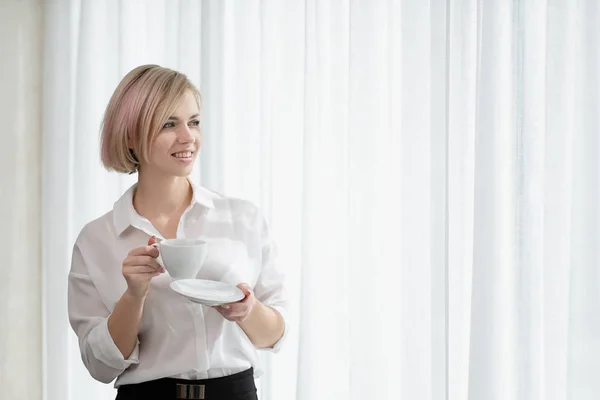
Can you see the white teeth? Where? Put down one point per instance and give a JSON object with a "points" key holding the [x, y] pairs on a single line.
{"points": [[183, 154]]}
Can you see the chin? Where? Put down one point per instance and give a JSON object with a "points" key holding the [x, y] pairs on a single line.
{"points": [[173, 169]]}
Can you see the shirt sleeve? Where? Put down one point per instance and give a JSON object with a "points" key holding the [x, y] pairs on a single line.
{"points": [[88, 317], [270, 286]]}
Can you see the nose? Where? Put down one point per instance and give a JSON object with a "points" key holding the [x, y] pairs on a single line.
{"points": [[185, 134]]}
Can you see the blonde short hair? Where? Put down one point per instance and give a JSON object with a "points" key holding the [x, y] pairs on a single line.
{"points": [[141, 104]]}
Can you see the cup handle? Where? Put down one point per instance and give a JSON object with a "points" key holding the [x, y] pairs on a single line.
{"points": [[159, 259]]}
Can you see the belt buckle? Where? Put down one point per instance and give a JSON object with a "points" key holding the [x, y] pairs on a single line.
{"points": [[189, 392]]}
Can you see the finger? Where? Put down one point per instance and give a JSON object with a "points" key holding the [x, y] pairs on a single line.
{"points": [[150, 264], [246, 299], [235, 308], [235, 317], [227, 315], [244, 302], [245, 288], [139, 269], [144, 251], [139, 260], [152, 240], [143, 260], [231, 316]]}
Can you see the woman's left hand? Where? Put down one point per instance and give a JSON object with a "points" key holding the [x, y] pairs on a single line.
{"points": [[238, 311]]}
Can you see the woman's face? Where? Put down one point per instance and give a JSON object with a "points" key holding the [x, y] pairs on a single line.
{"points": [[176, 146]]}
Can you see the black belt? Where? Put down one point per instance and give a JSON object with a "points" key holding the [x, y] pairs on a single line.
{"points": [[236, 386]]}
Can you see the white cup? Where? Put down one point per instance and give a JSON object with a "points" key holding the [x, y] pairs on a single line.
{"points": [[182, 258]]}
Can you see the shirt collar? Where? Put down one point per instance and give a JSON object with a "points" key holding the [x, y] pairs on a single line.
{"points": [[125, 215]]}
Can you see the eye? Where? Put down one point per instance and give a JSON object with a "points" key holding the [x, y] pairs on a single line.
{"points": [[168, 125], [194, 123]]}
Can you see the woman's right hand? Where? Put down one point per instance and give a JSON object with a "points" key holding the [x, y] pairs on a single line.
{"points": [[139, 267]]}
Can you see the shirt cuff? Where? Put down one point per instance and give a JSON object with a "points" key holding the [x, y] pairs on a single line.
{"points": [[106, 351], [277, 346]]}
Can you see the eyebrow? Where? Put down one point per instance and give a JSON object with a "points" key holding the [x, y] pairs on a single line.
{"points": [[173, 118]]}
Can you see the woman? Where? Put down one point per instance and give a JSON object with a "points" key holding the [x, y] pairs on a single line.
{"points": [[131, 326]]}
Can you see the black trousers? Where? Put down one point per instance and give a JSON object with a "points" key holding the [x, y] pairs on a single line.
{"points": [[238, 386]]}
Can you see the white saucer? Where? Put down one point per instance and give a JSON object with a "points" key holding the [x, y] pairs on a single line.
{"points": [[209, 293]]}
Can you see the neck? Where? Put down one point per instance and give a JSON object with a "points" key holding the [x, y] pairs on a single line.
{"points": [[157, 196]]}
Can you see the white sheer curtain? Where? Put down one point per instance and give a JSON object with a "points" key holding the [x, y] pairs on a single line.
{"points": [[20, 109], [430, 170]]}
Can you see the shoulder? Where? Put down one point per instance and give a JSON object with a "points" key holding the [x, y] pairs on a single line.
{"points": [[237, 207], [98, 230], [234, 208], [91, 244]]}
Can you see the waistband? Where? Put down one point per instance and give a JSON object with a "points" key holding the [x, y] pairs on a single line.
{"points": [[201, 389]]}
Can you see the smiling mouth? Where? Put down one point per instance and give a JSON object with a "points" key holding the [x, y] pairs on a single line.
{"points": [[183, 154]]}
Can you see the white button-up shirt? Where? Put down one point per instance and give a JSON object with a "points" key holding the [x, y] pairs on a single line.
{"points": [[177, 338]]}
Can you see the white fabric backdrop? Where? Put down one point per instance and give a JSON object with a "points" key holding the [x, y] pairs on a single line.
{"points": [[20, 110], [430, 170]]}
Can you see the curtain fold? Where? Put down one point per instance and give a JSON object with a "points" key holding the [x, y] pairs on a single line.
{"points": [[429, 169], [20, 112]]}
